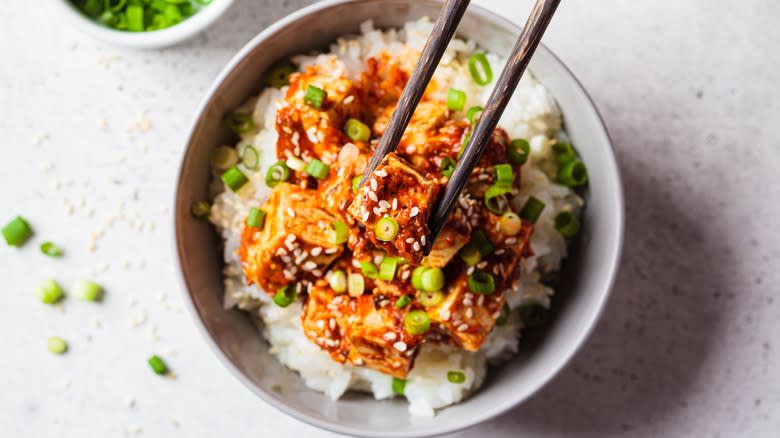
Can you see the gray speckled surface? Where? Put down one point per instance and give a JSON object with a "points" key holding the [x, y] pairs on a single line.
{"points": [[686, 346]]}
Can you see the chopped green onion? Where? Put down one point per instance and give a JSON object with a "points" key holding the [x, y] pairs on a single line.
{"points": [[314, 96], [573, 174], [481, 282], [567, 224], [456, 377], [239, 123], [93, 8], [357, 130], [482, 242], [510, 224], [296, 164], [135, 18], [234, 178], [518, 151], [532, 209], [277, 173], [279, 74], [88, 290], [17, 232], [200, 210], [339, 233], [157, 365], [224, 157], [403, 302], [503, 318], [470, 255], [369, 270], [285, 295], [495, 198], [56, 345], [417, 322], [472, 112], [256, 218], [432, 279], [356, 183], [532, 314], [504, 174], [399, 385], [431, 298], [387, 268], [463, 145], [456, 99], [447, 166], [317, 169], [356, 284], [417, 277], [50, 249], [338, 281], [250, 157], [173, 14], [476, 61], [563, 153], [115, 5], [386, 229], [50, 291]]}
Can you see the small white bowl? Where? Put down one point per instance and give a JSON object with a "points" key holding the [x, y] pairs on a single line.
{"points": [[144, 40]]}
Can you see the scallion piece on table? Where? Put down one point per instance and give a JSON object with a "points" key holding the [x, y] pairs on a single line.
{"points": [[314, 96], [472, 113], [567, 224], [432, 279], [504, 174], [477, 62], [56, 345], [398, 385], [234, 178], [563, 153], [296, 164], [369, 270], [201, 210], [356, 183], [338, 281], [456, 377], [88, 290], [239, 123], [386, 229], [456, 99], [357, 130], [17, 232], [255, 218], [495, 198], [224, 157], [447, 166], [285, 295], [277, 173], [417, 322], [157, 365], [429, 299], [481, 282], [250, 157], [317, 169], [279, 74], [573, 174], [417, 277], [403, 302], [356, 284], [532, 209], [339, 233], [518, 151], [510, 224], [387, 268], [51, 250], [50, 292]]}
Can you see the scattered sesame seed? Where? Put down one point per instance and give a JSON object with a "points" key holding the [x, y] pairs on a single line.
{"points": [[373, 184], [400, 346], [316, 251], [414, 212], [381, 173], [482, 264], [416, 246], [308, 266], [372, 196], [348, 99], [389, 336], [445, 314], [331, 251], [463, 327], [511, 241]]}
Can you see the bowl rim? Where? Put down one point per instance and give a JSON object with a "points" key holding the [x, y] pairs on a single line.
{"points": [[615, 249], [145, 40]]}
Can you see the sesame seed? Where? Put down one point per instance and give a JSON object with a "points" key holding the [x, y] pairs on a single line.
{"points": [[332, 324], [469, 313], [467, 302], [445, 314], [422, 240], [320, 323], [381, 173], [287, 129], [316, 251], [400, 346], [395, 203], [416, 246], [365, 216], [359, 361], [384, 204], [331, 251], [482, 264], [481, 300], [377, 211], [389, 336], [372, 196], [373, 183], [349, 99], [295, 137], [410, 149], [290, 212], [470, 270], [482, 177], [308, 266], [499, 251], [511, 241], [405, 275], [414, 212], [463, 327], [296, 197]]}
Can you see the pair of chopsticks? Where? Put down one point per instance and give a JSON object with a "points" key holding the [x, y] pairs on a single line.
{"points": [[437, 42]]}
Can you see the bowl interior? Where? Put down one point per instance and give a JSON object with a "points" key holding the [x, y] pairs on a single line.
{"points": [[586, 277]]}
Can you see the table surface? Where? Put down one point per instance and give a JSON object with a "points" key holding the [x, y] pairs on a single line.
{"points": [[92, 135]]}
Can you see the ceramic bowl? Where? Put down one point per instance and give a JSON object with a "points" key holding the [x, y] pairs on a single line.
{"points": [[144, 40], [586, 276]]}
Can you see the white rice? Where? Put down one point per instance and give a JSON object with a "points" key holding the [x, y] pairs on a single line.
{"points": [[532, 114]]}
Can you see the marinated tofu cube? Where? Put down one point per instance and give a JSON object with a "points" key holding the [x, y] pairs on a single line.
{"points": [[293, 244], [510, 250], [394, 206], [446, 247]]}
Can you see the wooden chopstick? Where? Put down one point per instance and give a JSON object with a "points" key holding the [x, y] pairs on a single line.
{"points": [[524, 48], [443, 30]]}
